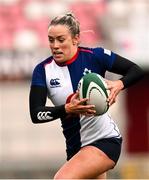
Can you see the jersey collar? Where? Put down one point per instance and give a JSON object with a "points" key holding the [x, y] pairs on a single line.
{"points": [[70, 60]]}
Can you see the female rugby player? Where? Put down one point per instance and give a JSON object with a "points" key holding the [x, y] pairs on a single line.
{"points": [[93, 143]]}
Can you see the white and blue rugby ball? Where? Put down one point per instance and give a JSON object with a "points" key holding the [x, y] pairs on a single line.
{"points": [[93, 87]]}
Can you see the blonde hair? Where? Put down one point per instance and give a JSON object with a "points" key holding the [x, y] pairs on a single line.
{"points": [[70, 21]]}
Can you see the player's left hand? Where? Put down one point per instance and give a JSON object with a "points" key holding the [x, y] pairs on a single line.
{"points": [[115, 87]]}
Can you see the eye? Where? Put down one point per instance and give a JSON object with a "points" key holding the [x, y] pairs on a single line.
{"points": [[51, 40], [61, 40]]}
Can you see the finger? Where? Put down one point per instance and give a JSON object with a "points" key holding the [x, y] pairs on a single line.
{"points": [[112, 102], [75, 96], [92, 107], [111, 97], [86, 107], [93, 112], [108, 83], [83, 101], [109, 87], [90, 112]]}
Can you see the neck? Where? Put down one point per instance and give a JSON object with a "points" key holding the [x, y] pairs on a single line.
{"points": [[72, 58], [74, 51]]}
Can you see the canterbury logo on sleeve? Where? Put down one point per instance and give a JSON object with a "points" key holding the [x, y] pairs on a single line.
{"points": [[44, 115]]}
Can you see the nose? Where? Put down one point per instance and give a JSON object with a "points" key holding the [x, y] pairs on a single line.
{"points": [[55, 45]]}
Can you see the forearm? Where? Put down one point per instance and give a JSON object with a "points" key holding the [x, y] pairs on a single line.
{"points": [[134, 74], [130, 71], [46, 114], [38, 111]]}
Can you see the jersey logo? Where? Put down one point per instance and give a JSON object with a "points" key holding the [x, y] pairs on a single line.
{"points": [[108, 52], [44, 116], [86, 71], [55, 83]]}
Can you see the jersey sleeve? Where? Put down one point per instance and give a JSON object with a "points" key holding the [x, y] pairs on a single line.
{"points": [[105, 57], [38, 76], [40, 113], [130, 71]]}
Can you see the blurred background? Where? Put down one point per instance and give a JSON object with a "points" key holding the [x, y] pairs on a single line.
{"points": [[37, 151]]}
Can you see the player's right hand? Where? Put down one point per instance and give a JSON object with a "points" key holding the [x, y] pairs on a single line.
{"points": [[79, 106]]}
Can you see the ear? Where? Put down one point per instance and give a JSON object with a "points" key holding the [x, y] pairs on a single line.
{"points": [[76, 40]]}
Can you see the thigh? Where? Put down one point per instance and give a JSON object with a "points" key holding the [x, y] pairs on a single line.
{"points": [[88, 163]]}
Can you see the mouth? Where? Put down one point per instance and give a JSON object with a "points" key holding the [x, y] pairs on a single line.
{"points": [[56, 53]]}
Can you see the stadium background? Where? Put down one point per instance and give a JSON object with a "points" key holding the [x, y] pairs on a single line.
{"points": [[37, 151]]}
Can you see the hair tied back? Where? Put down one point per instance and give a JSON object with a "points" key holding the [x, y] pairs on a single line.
{"points": [[70, 14]]}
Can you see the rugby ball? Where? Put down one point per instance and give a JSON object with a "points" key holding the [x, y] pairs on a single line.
{"points": [[93, 87]]}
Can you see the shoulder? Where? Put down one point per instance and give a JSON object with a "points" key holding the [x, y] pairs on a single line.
{"points": [[102, 51], [38, 76], [101, 55], [43, 63], [94, 50], [85, 50], [40, 68]]}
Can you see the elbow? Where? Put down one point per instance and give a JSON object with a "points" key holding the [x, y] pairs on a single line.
{"points": [[33, 116], [140, 72], [34, 119]]}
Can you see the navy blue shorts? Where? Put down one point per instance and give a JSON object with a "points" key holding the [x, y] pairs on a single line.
{"points": [[110, 146]]}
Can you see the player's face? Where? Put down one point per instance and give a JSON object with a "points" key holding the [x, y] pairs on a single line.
{"points": [[63, 46]]}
